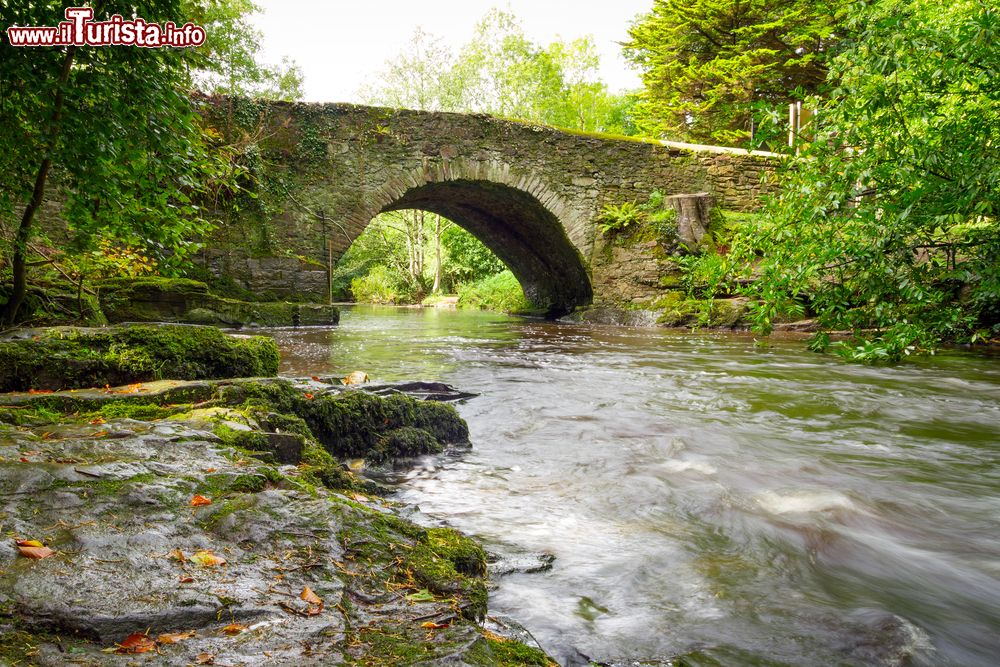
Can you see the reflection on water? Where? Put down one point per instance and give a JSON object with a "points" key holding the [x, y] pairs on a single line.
{"points": [[764, 504]]}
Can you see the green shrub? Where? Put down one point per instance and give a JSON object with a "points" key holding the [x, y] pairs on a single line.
{"points": [[652, 220], [382, 285], [501, 292]]}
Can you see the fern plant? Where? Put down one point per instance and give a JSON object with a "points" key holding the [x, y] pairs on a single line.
{"points": [[616, 219]]}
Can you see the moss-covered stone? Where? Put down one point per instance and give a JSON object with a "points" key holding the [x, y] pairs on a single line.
{"points": [[66, 357], [156, 299], [449, 563], [47, 304], [355, 424], [716, 313], [501, 652], [150, 400], [271, 420], [404, 442], [255, 482], [278, 532]]}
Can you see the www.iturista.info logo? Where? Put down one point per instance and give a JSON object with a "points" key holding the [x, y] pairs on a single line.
{"points": [[80, 29]]}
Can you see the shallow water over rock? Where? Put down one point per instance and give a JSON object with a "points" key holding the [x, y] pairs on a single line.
{"points": [[703, 495]]}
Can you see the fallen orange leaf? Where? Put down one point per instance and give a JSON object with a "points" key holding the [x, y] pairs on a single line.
{"points": [[29, 543], [39, 391], [174, 637], [316, 379], [186, 580], [315, 602], [178, 554], [99, 434], [431, 625], [206, 558], [33, 549], [357, 377], [310, 597], [197, 501], [309, 396], [210, 470], [205, 659], [234, 629], [97, 421], [137, 642]]}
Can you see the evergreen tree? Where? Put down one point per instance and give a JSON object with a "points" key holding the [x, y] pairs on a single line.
{"points": [[707, 64]]}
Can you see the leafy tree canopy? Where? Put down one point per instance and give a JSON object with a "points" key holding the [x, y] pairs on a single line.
{"points": [[500, 71], [887, 224], [229, 62], [707, 64], [114, 128]]}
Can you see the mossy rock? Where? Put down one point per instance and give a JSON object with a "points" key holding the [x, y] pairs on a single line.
{"points": [[501, 652], [48, 305], [355, 424], [712, 313], [449, 563], [76, 358], [150, 299], [157, 299], [404, 442], [255, 482]]}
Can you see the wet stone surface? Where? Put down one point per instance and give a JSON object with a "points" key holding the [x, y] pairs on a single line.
{"points": [[141, 515]]}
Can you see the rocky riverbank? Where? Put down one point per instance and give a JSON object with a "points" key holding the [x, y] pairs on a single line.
{"points": [[158, 299], [214, 522]]}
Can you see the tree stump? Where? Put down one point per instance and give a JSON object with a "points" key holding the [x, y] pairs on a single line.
{"points": [[694, 212]]}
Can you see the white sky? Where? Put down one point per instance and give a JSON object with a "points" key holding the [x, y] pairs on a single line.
{"points": [[340, 44]]}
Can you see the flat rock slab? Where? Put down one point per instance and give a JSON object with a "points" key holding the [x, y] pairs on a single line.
{"points": [[186, 391], [121, 515]]}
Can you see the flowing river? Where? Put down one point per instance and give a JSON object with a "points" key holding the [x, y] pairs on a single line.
{"points": [[704, 495]]}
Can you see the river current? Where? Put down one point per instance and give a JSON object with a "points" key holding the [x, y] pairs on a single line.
{"points": [[703, 494]]}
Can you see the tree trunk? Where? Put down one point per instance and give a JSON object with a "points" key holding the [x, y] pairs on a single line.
{"points": [[418, 246], [437, 254], [19, 262], [694, 212]]}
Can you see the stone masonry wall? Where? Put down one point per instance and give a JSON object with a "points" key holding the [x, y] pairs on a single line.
{"points": [[328, 169]]}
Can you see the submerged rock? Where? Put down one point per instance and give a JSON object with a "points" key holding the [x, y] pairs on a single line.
{"points": [[73, 357], [502, 564]]}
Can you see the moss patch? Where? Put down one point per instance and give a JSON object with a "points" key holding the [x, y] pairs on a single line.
{"points": [[447, 562], [716, 313], [355, 424], [156, 299], [67, 358], [501, 652]]}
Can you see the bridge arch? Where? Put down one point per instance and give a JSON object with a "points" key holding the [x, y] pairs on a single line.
{"points": [[515, 215]]}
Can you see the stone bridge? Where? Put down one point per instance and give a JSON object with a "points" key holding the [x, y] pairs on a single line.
{"points": [[531, 193]]}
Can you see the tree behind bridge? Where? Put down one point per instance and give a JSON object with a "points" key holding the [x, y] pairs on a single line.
{"points": [[887, 224], [707, 64], [114, 130]]}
